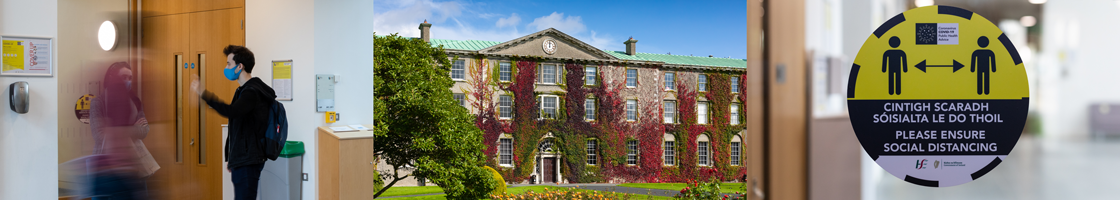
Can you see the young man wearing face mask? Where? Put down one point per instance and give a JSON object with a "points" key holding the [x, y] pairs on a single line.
{"points": [[248, 119]]}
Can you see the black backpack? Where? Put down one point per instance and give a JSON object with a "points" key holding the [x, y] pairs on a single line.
{"points": [[276, 134]]}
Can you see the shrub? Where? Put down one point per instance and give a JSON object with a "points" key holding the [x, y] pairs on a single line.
{"points": [[498, 181], [564, 194], [706, 191]]}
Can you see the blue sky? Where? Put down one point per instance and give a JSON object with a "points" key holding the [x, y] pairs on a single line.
{"points": [[698, 28]]}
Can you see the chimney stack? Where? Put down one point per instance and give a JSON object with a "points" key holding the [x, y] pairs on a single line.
{"points": [[630, 50], [425, 31]]}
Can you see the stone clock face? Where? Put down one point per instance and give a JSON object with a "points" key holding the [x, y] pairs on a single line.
{"points": [[549, 46]]}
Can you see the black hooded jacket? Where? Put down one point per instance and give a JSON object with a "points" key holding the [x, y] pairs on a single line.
{"points": [[248, 118]]}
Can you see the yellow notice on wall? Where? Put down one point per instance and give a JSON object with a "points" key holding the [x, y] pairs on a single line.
{"points": [[13, 55], [282, 79]]}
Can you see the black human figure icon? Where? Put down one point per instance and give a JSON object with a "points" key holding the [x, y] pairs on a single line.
{"points": [[981, 58], [894, 63]]}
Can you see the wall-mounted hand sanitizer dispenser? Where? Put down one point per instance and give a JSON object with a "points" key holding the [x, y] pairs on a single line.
{"points": [[19, 99]]}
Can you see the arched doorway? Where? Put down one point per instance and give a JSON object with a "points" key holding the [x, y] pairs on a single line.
{"points": [[547, 167]]}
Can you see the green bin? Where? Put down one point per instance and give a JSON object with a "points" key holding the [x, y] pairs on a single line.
{"points": [[283, 178]]}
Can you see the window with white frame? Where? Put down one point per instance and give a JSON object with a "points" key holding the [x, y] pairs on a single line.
{"points": [[631, 77], [702, 150], [632, 152], [670, 81], [734, 84], [592, 146], [702, 82], [631, 110], [736, 151], [461, 98], [505, 71], [589, 75], [703, 156], [458, 70], [505, 107], [505, 152], [702, 113], [734, 114], [547, 74], [668, 153], [548, 104], [589, 109], [670, 112]]}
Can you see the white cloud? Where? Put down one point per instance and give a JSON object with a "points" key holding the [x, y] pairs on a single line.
{"points": [[512, 20], [449, 22], [570, 24], [405, 16]]}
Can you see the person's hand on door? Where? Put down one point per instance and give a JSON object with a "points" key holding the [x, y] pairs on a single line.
{"points": [[194, 85]]}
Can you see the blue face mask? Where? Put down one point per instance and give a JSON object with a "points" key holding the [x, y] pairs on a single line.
{"points": [[128, 85], [232, 74]]}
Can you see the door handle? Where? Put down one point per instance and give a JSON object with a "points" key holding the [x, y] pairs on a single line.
{"points": [[757, 192], [192, 141]]}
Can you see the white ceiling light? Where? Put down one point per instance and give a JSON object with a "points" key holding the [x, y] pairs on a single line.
{"points": [[1037, 1], [1028, 21], [107, 36], [923, 3]]}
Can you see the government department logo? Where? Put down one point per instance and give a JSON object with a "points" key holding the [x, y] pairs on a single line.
{"points": [[920, 164], [935, 163]]}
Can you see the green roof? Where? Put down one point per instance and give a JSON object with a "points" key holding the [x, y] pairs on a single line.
{"points": [[475, 45]]}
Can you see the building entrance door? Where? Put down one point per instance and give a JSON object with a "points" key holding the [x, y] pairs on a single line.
{"points": [[180, 41], [548, 170]]}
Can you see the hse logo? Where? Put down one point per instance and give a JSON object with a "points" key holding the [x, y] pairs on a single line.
{"points": [[920, 164]]}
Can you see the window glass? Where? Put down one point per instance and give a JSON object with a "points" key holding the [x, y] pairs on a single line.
{"points": [[669, 81], [457, 70], [504, 71], [631, 77], [702, 113], [734, 84], [459, 97], [589, 109], [734, 114], [702, 150], [589, 76], [505, 154], [591, 152], [703, 83], [735, 148], [631, 109], [548, 107], [548, 74], [669, 153], [670, 112], [505, 106], [632, 152]]}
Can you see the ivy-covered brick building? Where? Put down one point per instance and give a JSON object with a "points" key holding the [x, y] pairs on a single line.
{"points": [[557, 110]]}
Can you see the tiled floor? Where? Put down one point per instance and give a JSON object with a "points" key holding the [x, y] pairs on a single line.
{"points": [[1038, 168]]}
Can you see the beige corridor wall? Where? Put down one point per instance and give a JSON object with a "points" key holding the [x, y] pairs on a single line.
{"points": [[29, 142]]}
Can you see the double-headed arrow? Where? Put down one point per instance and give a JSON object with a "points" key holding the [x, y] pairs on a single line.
{"points": [[922, 66]]}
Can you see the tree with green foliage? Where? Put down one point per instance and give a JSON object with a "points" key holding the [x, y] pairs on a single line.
{"points": [[418, 124]]}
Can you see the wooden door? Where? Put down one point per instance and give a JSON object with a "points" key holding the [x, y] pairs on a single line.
{"points": [[787, 99], [549, 170], [178, 47], [210, 33], [164, 95]]}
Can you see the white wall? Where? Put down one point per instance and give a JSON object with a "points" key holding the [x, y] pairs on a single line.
{"points": [[1077, 65], [335, 40], [29, 142]]}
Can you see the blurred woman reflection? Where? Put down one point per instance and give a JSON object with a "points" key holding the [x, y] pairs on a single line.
{"points": [[123, 163]]}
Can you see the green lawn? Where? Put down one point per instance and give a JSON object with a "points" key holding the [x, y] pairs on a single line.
{"points": [[410, 190], [723, 187], [407, 190]]}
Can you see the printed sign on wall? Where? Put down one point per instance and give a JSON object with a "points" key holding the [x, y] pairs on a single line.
{"points": [[25, 56], [938, 96]]}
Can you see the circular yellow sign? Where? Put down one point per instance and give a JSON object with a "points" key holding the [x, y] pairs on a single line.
{"points": [[82, 106], [938, 96]]}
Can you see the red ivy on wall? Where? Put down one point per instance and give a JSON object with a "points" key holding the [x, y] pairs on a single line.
{"points": [[610, 127]]}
